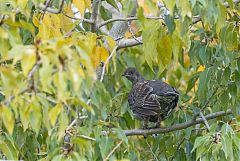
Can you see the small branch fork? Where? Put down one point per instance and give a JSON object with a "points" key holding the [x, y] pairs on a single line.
{"points": [[51, 10], [107, 61]]}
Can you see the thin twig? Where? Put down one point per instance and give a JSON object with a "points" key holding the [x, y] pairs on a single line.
{"points": [[44, 10], [151, 150], [125, 19], [205, 121], [35, 67], [107, 61], [72, 29], [130, 30], [86, 137], [52, 10], [206, 104], [75, 18], [75, 120], [114, 149], [47, 98], [78, 118], [177, 126], [177, 148]]}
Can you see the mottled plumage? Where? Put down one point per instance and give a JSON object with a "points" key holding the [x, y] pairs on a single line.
{"points": [[150, 100]]}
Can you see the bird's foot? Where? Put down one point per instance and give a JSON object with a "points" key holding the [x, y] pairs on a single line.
{"points": [[157, 126]]}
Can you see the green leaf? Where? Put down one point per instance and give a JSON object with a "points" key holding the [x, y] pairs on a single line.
{"points": [[105, 14], [236, 141], [169, 20], [63, 123], [192, 81], [120, 134], [86, 106], [112, 3], [7, 149], [164, 49], [227, 146], [224, 98], [36, 115], [8, 118], [203, 86], [170, 5], [54, 112], [200, 145], [185, 8], [226, 75], [237, 78], [150, 36], [199, 142]]}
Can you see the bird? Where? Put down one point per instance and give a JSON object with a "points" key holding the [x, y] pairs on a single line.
{"points": [[150, 100]]}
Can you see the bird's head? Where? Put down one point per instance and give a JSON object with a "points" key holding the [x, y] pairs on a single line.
{"points": [[133, 75]]}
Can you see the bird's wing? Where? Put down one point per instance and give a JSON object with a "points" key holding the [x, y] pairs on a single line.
{"points": [[141, 102], [142, 91]]}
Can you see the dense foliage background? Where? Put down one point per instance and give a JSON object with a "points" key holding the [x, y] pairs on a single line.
{"points": [[61, 91]]}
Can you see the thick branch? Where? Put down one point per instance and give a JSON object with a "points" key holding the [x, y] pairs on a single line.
{"points": [[52, 10], [94, 14], [177, 126], [124, 43]]}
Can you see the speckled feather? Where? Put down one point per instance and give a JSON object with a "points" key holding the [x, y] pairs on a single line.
{"points": [[151, 99]]}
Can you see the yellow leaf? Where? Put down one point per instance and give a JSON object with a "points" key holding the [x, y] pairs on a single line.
{"points": [[55, 25], [200, 68], [54, 112], [7, 117], [101, 54], [22, 3], [9, 81], [35, 115], [111, 43], [60, 81], [50, 27], [43, 31], [28, 59], [164, 50], [66, 23], [25, 116], [80, 4], [35, 20], [45, 73], [3, 33], [88, 4]]}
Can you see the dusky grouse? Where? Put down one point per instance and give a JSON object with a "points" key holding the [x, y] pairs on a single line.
{"points": [[150, 100]]}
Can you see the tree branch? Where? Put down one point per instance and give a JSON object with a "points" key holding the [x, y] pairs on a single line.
{"points": [[52, 10], [94, 14], [107, 61], [114, 149], [177, 126], [125, 19], [205, 121], [81, 19], [124, 43]]}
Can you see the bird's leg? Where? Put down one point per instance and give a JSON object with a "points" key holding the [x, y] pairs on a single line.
{"points": [[145, 123], [158, 124]]}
